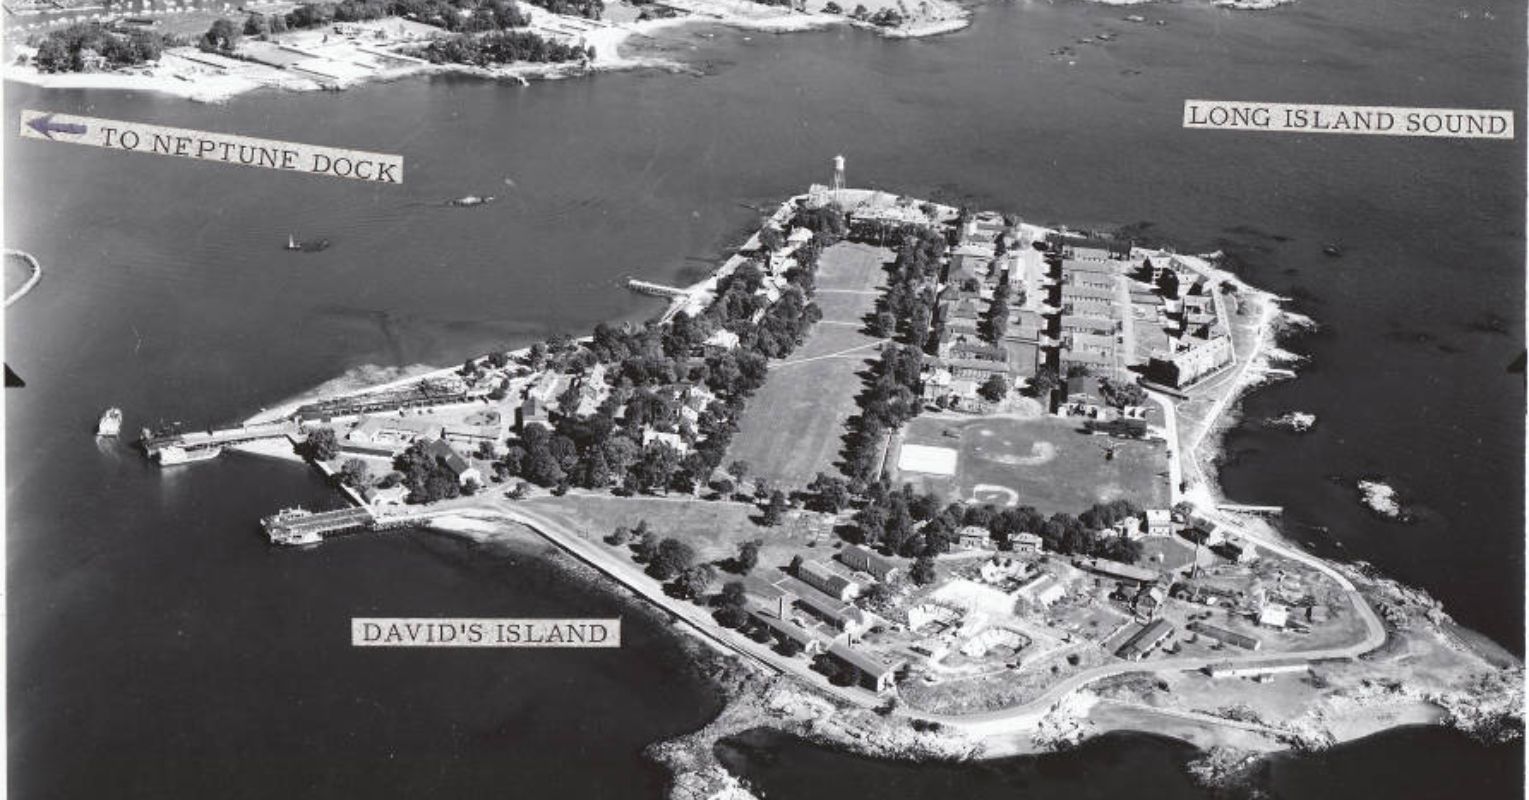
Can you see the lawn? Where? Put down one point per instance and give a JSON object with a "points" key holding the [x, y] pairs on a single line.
{"points": [[793, 428], [1048, 463], [715, 529]]}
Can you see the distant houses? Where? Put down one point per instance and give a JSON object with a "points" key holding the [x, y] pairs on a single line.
{"points": [[460, 467]]}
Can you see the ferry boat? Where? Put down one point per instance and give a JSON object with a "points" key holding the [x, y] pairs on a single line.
{"points": [[172, 455], [110, 423]]}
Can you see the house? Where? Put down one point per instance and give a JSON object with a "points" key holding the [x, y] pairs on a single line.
{"points": [[863, 559], [1286, 665], [720, 341], [1043, 590], [844, 617], [823, 578], [673, 440], [875, 674], [388, 435], [460, 468], [772, 596], [1225, 636], [1026, 543], [998, 569], [973, 537], [1188, 359], [1141, 643], [1117, 570], [387, 496], [531, 412], [1148, 601], [1130, 528], [1317, 614], [786, 630], [1274, 615], [1159, 522]]}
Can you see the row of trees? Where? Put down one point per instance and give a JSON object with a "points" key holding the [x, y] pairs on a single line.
{"points": [[501, 47], [892, 398], [457, 16], [907, 523], [75, 48]]}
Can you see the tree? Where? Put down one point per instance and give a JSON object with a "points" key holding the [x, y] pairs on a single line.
{"points": [[695, 581], [775, 508], [831, 493], [732, 616], [673, 557], [923, 572], [733, 594], [222, 37], [320, 445], [1044, 382], [354, 472], [739, 470], [994, 388], [538, 355], [748, 555], [1168, 283], [647, 545]]}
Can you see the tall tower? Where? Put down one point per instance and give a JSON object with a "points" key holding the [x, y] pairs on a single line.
{"points": [[838, 175]]}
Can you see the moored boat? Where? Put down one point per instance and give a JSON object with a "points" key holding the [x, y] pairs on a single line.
{"points": [[110, 423], [172, 455]]}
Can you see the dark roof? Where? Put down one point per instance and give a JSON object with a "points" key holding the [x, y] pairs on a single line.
{"points": [[443, 452]]}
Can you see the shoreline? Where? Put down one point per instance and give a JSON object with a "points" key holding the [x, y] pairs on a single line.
{"points": [[169, 75]]}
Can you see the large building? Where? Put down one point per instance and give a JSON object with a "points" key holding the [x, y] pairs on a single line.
{"points": [[822, 577], [863, 559]]}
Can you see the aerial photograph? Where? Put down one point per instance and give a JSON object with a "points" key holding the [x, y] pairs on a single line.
{"points": [[735, 399]]}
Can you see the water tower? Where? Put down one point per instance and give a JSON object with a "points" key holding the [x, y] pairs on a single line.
{"points": [[838, 175]]}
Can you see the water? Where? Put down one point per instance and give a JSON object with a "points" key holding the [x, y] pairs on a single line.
{"points": [[158, 648]]}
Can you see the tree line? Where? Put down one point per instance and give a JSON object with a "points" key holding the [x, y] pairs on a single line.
{"points": [[70, 49]]}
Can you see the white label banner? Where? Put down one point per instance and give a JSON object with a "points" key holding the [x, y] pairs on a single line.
{"points": [[1459, 123], [473, 632], [223, 148]]}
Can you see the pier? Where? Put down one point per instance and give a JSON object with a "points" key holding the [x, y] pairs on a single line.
{"points": [[1261, 511], [656, 289], [201, 440], [299, 526]]}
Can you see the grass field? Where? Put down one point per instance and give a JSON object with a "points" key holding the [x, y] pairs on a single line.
{"points": [[715, 529], [793, 428], [1046, 462]]}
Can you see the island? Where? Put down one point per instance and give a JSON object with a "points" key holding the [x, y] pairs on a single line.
{"points": [[920, 481]]}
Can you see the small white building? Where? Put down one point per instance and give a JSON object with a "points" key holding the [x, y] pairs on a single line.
{"points": [[1159, 522], [1026, 543], [721, 340], [1274, 615]]}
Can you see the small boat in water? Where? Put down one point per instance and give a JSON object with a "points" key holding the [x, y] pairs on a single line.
{"points": [[110, 423], [1332, 250], [472, 200], [305, 246]]}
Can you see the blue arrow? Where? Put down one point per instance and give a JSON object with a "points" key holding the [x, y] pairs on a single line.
{"points": [[47, 127]]}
